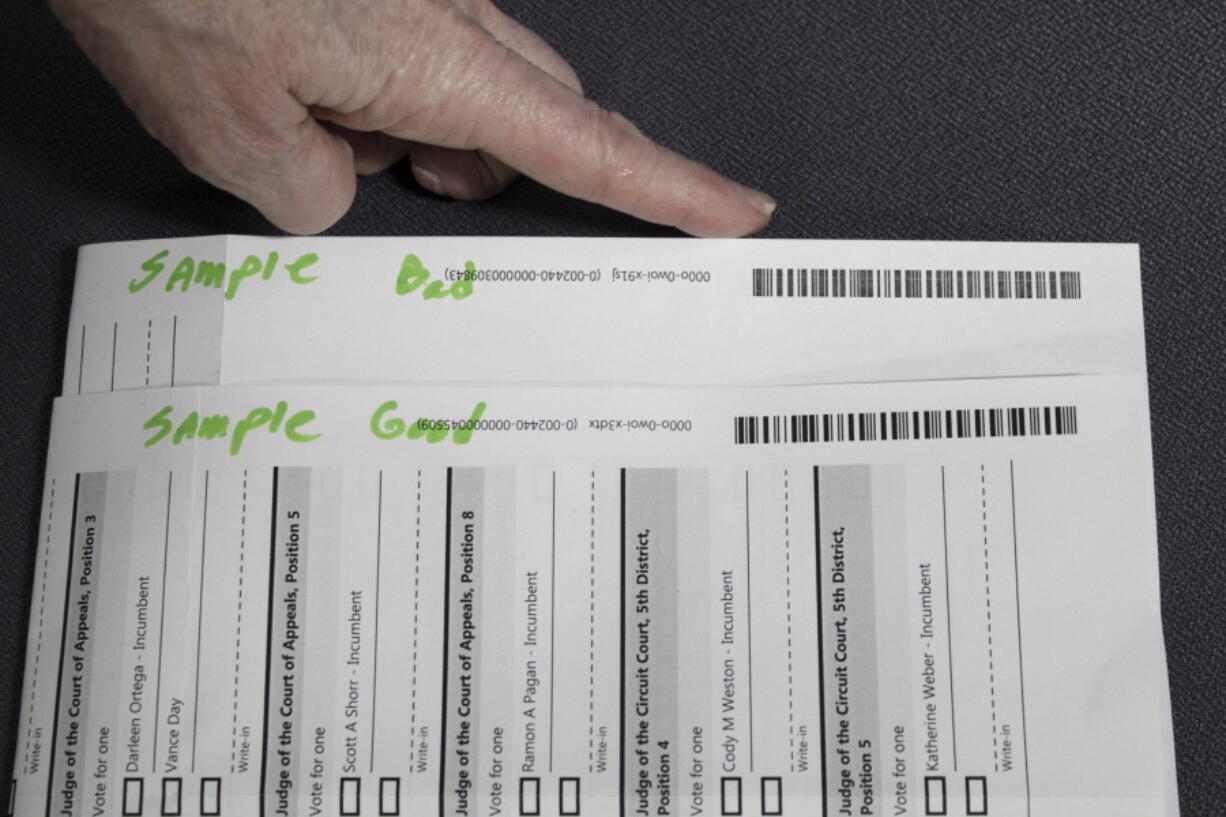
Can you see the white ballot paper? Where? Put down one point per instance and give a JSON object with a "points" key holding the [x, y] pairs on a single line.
{"points": [[925, 598], [233, 310]]}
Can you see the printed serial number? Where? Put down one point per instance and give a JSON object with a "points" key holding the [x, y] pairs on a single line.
{"points": [[529, 276], [641, 425], [631, 276], [491, 424]]}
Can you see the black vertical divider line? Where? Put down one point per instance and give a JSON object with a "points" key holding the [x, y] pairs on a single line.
{"points": [[272, 572], [442, 763], [374, 675], [114, 345], [1017, 598], [749, 617], [157, 695], [553, 606], [949, 627], [821, 634], [204, 543], [621, 672], [81, 366], [59, 675]]}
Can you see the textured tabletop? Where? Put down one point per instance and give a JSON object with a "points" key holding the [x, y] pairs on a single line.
{"points": [[1027, 121]]}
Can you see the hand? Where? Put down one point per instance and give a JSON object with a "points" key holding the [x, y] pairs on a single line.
{"points": [[280, 102]]}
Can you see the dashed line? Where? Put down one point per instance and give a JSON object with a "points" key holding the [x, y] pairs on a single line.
{"points": [[416, 597], [238, 635], [42, 607], [148, 349], [987, 592], [787, 584], [591, 632]]}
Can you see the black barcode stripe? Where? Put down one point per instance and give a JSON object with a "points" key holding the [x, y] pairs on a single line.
{"points": [[941, 284], [929, 424]]}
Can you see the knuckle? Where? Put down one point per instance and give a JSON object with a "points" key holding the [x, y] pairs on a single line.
{"points": [[232, 135], [615, 153]]}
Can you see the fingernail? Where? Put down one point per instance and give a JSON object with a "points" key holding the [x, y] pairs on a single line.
{"points": [[428, 180], [761, 202]]}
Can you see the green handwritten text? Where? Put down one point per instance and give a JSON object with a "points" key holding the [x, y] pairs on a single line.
{"points": [[414, 275], [188, 272], [434, 431], [216, 426]]}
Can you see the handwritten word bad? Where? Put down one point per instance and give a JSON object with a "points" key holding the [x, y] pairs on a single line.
{"points": [[413, 276], [216, 426], [213, 273], [433, 430]]}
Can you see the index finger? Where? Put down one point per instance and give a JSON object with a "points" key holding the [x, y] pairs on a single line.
{"points": [[547, 131]]}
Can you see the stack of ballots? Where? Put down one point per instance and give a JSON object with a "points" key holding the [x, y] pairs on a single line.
{"points": [[479, 526]]}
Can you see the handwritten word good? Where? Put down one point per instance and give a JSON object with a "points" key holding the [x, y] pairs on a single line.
{"points": [[433, 431]]}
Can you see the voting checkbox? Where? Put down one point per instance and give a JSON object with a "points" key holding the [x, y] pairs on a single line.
{"points": [[133, 796], [210, 796], [772, 796], [730, 796], [351, 796], [389, 796], [934, 795], [976, 795], [172, 796], [568, 794], [530, 796]]}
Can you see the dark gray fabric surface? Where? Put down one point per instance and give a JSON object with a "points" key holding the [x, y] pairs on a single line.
{"points": [[1037, 121]]}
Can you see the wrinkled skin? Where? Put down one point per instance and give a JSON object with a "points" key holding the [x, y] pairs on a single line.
{"points": [[281, 102]]}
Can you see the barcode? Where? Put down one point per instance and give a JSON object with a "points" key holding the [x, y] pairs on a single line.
{"points": [[871, 426], [778, 282]]}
